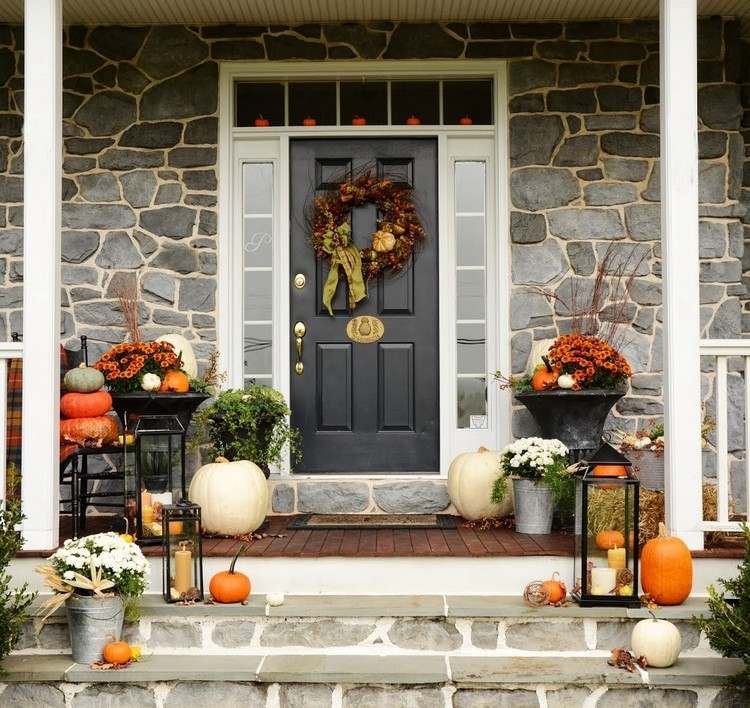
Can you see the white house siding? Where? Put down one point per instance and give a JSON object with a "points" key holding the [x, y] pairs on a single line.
{"points": [[140, 129]]}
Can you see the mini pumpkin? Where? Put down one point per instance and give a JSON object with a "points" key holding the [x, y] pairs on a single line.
{"points": [[151, 382], [83, 379], [383, 241], [117, 653], [545, 377], [175, 382], [230, 586], [555, 589], [609, 538], [666, 569]]}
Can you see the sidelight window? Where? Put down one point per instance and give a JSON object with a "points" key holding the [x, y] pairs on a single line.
{"points": [[257, 247], [470, 187]]}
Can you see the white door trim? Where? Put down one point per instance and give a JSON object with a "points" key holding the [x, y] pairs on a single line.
{"points": [[454, 142]]}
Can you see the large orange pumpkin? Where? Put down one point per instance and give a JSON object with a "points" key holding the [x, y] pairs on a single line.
{"points": [[117, 653], [609, 539], [545, 377], [175, 382], [85, 405], [666, 569], [230, 585], [89, 432]]}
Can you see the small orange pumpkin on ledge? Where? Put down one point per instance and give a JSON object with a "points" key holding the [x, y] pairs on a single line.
{"points": [[230, 586], [117, 653], [555, 589]]}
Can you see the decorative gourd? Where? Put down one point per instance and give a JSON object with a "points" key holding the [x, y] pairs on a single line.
{"points": [[609, 539], [666, 569], [175, 382], [545, 377], [470, 479], [383, 241], [233, 496], [184, 350], [555, 589], [658, 641], [538, 350], [89, 432], [230, 585], [85, 405], [566, 381], [117, 653], [151, 382], [83, 379]]}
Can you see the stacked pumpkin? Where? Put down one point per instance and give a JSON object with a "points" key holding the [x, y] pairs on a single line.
{"points": [[84, 409]]}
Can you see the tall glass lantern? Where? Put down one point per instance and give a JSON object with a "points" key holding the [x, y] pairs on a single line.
{"points": [[155, 474], [606, 525], [182, 557]]}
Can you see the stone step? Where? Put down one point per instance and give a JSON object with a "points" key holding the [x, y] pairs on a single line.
{"points": [[370, 626], [326, 681]]}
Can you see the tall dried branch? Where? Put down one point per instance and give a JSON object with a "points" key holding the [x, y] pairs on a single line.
{"points": [[127, 295]]}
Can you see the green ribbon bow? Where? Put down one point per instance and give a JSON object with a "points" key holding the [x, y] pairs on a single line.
{"points": [[346, 255]]}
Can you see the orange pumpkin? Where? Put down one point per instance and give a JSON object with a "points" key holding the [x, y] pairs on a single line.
{"points": [[545, 377], [230, 585], [609, 539], [175, 382], [89, 432], [85, 405], [117, 653], [555, 589], [610, 471], [666, 569]]}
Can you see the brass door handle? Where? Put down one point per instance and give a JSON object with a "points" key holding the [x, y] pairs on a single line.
{"points": [[299, 333]]}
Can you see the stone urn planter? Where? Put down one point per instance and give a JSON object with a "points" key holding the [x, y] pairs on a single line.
{"points": [[138, 403], [648, 466], [93, 622], [534, 506], [575, 418]]}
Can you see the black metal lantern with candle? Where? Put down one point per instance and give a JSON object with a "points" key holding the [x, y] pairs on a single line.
{"points": [[606, 525], [155, 477], [182, 556]]}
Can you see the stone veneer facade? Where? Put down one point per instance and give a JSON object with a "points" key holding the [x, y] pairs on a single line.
{"points": [[140, 179]]}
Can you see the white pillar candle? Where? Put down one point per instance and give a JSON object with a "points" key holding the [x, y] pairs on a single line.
{"points": [[604, 580], [163, 498]]}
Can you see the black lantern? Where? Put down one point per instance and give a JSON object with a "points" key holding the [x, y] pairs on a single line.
{"points": [[607, 523], [182, 556], [155, 474]]}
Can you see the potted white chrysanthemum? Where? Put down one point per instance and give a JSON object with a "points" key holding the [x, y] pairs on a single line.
{"points": [[96, 577], [541, 477]]}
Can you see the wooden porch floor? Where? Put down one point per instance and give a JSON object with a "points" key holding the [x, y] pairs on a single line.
{"points": [[283, 542]]}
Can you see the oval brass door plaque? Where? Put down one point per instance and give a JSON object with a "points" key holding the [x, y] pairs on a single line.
{"points": [[365, 329]]}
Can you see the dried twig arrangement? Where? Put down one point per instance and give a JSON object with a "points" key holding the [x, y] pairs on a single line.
{"points": [[127, 295]]}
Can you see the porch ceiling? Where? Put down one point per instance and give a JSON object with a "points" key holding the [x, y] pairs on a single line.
{"points": [[93, 12]]}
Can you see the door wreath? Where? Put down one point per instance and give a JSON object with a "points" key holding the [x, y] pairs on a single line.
{"points": [[393, 243]]}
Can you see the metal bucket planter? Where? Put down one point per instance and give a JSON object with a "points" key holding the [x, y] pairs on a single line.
{"points": [[534, 504], [575, 418], [93, 622]]}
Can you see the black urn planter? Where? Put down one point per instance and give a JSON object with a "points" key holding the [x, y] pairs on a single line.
{"points": [[137, 403], [575, 418]]}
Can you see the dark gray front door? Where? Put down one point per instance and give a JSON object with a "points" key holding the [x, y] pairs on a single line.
{"points": [[366, 407]]}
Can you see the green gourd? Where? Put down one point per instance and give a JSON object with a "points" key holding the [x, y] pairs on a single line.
{"points": [[84, 379]]}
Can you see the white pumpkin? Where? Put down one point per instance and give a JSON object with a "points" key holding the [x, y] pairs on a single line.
{"points": [[470, 480], [538, 350], [184, 349], [566, 381], [657, 640], [233, 496], [151, 382]]}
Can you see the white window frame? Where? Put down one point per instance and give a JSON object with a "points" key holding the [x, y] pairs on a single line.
{"points": [[455, 143]]}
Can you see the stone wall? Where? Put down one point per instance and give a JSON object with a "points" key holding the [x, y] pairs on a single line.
{"points": [[139, 189]]}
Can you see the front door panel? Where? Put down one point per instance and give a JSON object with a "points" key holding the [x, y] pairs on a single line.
{"points": [[366, 407]]}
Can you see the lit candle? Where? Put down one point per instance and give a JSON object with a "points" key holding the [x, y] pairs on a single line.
{"points": [[183, 568], [616, 558], [146, 499], [604, 580]]}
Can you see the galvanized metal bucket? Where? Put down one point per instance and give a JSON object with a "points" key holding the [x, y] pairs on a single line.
{"points": [[534, 505], [93, 622]]}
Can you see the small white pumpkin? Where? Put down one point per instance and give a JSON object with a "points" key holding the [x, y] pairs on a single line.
{"points": [[233, 496], [566, 381], [539, 349], [184, 349], [658, 640], [151, 382], [470, 479]]}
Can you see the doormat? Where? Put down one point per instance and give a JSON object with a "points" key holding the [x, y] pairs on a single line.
{"points": [[374, 521]]}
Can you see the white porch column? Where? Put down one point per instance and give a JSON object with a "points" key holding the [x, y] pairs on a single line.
{"points": [[41, 287], [680, 283]]}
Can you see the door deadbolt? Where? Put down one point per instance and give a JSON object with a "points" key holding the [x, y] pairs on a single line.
{"points": [[299, 281]]}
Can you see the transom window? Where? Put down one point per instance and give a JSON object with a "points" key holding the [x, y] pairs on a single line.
{"points": [[446, 102]]}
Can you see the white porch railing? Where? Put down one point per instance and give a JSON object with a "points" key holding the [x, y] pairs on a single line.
{"points": [[723, 350], [8, 350]]}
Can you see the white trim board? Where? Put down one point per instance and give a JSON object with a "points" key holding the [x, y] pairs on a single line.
{"points": [[489, 143]]}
